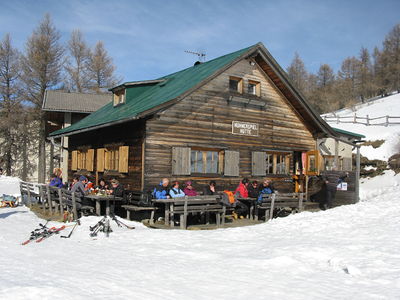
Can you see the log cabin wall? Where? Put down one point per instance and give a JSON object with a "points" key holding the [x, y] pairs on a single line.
{"points": [[128, 134], [204, 120]]}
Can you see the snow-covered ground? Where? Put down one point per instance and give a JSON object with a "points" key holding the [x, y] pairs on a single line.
{"points": [[350, 252], [391, 134]]}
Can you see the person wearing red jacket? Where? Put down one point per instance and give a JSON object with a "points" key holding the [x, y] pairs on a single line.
{"points": [[241, 192]]}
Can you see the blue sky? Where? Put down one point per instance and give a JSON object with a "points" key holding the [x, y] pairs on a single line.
{"points": [[147, 39]]}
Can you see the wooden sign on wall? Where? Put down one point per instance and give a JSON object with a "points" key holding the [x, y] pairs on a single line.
{"points": [[244, 128]]}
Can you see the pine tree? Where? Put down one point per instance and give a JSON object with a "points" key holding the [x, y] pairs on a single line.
{"points": [[9, 101], [365, 89], [77, 65], [391, 58], [348, 81], [297, 73], [42, 65], [101, 69]]}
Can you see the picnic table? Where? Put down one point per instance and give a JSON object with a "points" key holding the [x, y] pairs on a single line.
{"points": [[103, 198], [194, 204]]}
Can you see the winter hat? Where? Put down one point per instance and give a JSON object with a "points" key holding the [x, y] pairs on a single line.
{"points": [[82, 178], [188, 182]]}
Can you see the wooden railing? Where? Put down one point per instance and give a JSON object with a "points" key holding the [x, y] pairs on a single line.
{"points": [[367, 121]]}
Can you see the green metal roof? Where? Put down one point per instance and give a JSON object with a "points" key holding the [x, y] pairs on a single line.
{"points": [[141, 98], [348, 132]]}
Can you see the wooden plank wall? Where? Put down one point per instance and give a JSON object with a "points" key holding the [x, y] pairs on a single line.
{"points": [[127, 134], [204, 119]]}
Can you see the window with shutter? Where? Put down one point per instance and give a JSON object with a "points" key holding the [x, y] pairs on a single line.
{"points": [[259, 163], [74, 160], [181, 160], [100, 160], [123, 162], [231, 166]]}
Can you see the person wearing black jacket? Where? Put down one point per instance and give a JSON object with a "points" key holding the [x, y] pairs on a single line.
{"points": [[116, 190], [253, 189], [210, 189], [332, 179]]}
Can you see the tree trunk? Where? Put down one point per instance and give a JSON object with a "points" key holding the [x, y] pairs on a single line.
{"points": [[42, 149]]}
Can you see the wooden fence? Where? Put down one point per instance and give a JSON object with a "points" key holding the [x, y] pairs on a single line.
{"points": [[367, 121]]}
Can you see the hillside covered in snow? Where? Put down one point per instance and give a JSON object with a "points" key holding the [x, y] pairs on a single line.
{"points": [[382, 107]]}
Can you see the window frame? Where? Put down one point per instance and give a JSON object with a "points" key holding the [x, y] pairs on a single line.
{"points": [[272, 163], [239, 81], [119, 97], [257, 88], [204, 157]]}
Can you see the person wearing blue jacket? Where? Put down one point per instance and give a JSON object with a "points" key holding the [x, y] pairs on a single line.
{"points": [[56, 178], [175, 191], [161, 191], [265, 189]]}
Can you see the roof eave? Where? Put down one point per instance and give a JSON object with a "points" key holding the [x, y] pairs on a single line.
{"points": [[73, 132]]}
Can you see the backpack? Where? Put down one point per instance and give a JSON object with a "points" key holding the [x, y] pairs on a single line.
{"points": [[228, 198]]}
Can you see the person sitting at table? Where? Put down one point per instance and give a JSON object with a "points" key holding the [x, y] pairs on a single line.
{"points": [[210, 189], [102, 185], [189, 189], [241, 191], [116, 189], [55, 179], [79, 186], [162, 191], [265, 189], [253, 189], [175, 191]]}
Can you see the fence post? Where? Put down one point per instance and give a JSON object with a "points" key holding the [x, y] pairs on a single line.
{"points": [[367, 120], [337, 120], [355, 118], [387, 121]]}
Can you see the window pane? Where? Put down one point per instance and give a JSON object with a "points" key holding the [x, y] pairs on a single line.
{"points": [[233, 85], [269, 164], [196, 159], [252, 88], [212, 162]]}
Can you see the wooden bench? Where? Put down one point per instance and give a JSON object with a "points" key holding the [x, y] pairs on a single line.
{"points": [[138, 201], [271, 202], [44, 193], [73, 204], [196, 204], [54, 193], [27, 190]]}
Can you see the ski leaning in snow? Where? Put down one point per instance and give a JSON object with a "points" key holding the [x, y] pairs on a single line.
{"points": [[120, 223], [73, 228], [104, 226]]}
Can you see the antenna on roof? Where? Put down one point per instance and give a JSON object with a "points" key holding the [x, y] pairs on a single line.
{"points": [[201, 55]]}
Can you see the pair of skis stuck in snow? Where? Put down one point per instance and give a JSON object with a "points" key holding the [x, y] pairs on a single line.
{"points": [[104, 226], [43, 232]]}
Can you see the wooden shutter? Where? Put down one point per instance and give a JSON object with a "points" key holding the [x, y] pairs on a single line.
{"points": [[258, 163], [90, 160], [100, 160], [181, 161], [231, 166], [106, 159], [74, 161], [123, 160]]}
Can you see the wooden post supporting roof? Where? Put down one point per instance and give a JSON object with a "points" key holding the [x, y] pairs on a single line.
{"points": [[358, 159]]}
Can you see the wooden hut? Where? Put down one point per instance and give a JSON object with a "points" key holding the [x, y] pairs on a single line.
{"points": [[232, 117]]}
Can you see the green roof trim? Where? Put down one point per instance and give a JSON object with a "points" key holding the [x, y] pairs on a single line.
{"points": [[142, 98], [348, 132]]}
